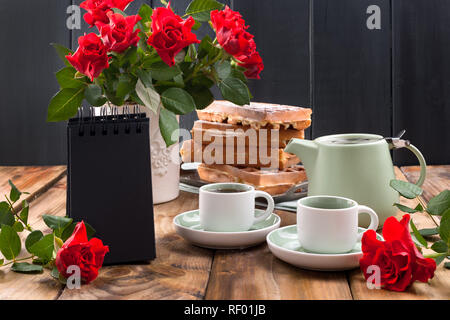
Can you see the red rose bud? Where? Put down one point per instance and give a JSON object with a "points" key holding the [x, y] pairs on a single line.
{"points": [[254, 66], [97, 9], [170, 34], [397, 257], [77, 250], [235, 40], [91, 56], [118, 35]]}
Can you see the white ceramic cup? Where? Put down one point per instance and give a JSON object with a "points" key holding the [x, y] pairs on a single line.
{"points": [[328, 224], [231, 211]]}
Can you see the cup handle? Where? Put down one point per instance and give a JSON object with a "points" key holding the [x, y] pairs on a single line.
{"points": [[270, 205], [373, 219]]}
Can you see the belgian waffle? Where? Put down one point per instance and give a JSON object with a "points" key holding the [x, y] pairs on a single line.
{"points": [[257, 115], [205, 132], [245, 157], [274, 182]]}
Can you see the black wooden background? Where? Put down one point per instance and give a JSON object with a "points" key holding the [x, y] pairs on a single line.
{"points": [[317, 53]]}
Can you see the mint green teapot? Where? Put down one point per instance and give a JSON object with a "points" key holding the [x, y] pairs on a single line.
{"points": [[356, 166]]}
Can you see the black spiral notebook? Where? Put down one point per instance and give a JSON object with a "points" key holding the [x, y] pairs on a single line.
{"points": [[109, 183]]}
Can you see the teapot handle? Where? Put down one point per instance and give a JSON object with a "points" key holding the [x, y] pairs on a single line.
{"points": [[423, 165]]}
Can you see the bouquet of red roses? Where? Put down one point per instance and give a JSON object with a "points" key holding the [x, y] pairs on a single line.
{"points": [[155, 59]]}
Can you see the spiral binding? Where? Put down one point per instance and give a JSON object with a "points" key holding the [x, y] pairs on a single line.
{"points": [[107, 114]]}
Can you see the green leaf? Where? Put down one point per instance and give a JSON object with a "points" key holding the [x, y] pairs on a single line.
{"points": [[25, 267], [65, 104], [161, 71], [404, 208], [125, 86], [62, 52], [56, 223], [44, 248], [6, 216], [429, 232], [223, 69], [417, 235], [94, 95], [235, 73], [206, 48], [203, 97], [24, 213], [145, 12], [129, 57], [200, 9], [32, 238], [444, 227], [66, 78], [149, 96], [440, 246], [167, 124], [234, 90], [178, 101], [14, 194], [2, 261], [418, 208], [89, 230], [55, 273], [447, 265], [10, 244], [439, 259], [18, 226], [440, 203], [146, 77], [406, 189]]}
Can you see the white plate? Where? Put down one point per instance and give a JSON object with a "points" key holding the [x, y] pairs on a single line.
{"points": [[284, 244], [187, 225]]}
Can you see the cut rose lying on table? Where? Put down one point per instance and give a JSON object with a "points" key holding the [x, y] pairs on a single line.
{"points": [[397, 262], [67, 251]]}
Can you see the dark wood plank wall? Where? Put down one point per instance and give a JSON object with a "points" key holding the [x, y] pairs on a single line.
{"points": [[352, 74], [317, 53], [421, 69], [27, 81]]}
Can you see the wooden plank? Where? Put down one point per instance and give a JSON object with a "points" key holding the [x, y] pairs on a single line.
{"points": [[256, 274], [281, 30], [352, 68], [28, 82], [421, 73], [40, 286], [437, 288], [34, 180], [181, 271]]}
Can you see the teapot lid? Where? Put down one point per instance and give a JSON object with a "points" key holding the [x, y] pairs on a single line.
{"points": [[350, 139]]}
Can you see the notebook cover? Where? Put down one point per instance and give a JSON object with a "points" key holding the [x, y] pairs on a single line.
{"points": [[109, 184]]}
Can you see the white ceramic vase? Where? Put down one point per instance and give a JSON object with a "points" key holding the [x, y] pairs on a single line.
{"points": [[165, 163]]}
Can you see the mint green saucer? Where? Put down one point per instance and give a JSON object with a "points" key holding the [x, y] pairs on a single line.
{"points": [[284, 244], [187, 225]]}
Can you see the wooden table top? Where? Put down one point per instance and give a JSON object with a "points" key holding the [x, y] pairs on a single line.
{"points": [[183, 271]]}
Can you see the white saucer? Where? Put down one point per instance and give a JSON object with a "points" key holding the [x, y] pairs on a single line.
{"points": [[187, 225], [284, 245]]}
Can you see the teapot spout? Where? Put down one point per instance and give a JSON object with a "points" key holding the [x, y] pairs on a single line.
{"points": [[306, 150]]}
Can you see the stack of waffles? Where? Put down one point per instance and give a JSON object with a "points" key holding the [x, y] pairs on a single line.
{"points": [[245, 144]]}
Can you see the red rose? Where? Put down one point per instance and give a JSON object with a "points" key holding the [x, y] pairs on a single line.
{"points": [[170, 34], [254, 66], [235, 40], [118, 35], [91, 56], [77, 250], [97, 9], [397, 257], [231, 34]]}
